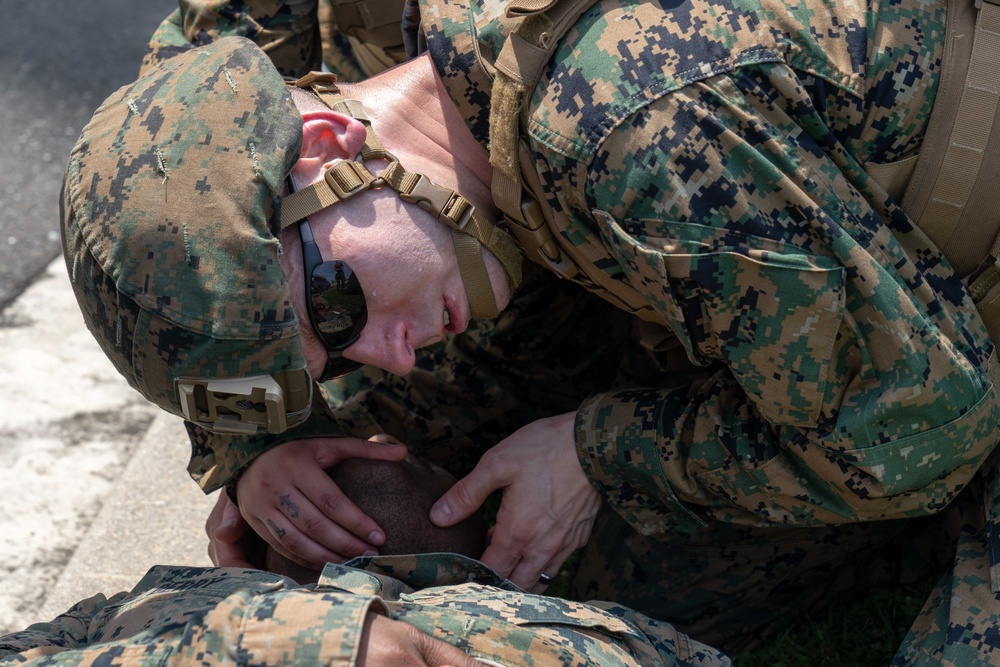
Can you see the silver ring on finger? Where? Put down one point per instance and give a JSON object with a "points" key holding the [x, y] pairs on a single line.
{"points": [[545, 579]]}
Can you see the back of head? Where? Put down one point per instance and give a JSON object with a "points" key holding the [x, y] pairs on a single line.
{"points": [[170, 231], [398, 496]]}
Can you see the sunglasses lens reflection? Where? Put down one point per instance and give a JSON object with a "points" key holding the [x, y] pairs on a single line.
{"points": [[337, 302]]}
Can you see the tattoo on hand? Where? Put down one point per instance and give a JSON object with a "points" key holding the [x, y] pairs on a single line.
{"points": [[293, 509], [274, 529]]}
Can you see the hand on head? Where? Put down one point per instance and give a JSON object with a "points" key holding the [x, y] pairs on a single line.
{"points": [[549, 505], [394, 494], [288, 499]]}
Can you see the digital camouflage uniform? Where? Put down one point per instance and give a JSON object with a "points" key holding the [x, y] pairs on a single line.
{"points": [[711, 156], [834, 387], [211, 616], [299, 36]]}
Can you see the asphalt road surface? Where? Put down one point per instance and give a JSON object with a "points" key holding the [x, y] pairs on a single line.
{"points": [[59, 59]]}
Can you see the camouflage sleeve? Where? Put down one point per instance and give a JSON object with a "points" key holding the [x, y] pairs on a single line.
{"points": [[460, 601], [846, 367], [66, 632], [203, 615], [287, 30]]}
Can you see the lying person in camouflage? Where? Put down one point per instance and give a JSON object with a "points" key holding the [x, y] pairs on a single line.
{"points": [[786, 378], [426, 609]]}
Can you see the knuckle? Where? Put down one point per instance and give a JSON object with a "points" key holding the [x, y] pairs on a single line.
{"points": [[314, 525], [292, 542], [331, 503], [496, 460], [462, 495]]}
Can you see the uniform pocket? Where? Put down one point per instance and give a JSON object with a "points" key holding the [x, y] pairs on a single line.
{"points": [[767, 310]]}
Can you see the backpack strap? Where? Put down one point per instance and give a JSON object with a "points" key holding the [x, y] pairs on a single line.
{"points": [[518, 69], [954, 194], [516, 190]]}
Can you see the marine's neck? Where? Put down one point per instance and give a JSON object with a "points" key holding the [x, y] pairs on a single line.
{"points": [[416, 120]]}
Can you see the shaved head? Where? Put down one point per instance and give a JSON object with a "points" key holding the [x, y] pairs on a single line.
{"points": [[398, 495]]}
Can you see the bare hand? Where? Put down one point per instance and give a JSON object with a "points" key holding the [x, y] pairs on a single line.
{"points": [[226, 530], [289, 500], [548, 507], [387, 643]]}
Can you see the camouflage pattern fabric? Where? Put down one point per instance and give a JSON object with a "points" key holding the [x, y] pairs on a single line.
{"points": [[709, 156], [209, 615], [299, 36], [816, 363], [959, 625], [716, 173], [174, 256]]}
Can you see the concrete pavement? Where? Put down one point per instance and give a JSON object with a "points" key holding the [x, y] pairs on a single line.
{"points": [[57, 62], [95, 489]]}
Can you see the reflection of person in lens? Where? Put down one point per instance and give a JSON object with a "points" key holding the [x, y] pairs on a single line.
{"points": [[338, 274]]}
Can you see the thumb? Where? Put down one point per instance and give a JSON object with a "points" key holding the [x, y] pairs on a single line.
{"points": [[465, 497], [232, 526]]}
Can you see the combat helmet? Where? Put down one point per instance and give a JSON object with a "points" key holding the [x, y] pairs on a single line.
{"points": [[171, 217]]}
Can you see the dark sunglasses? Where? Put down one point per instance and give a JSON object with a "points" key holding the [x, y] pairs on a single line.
{"points": [[335, 302]]}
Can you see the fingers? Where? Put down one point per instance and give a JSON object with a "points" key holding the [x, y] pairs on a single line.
{"points": [[468, 494], [385, 439], [548, 507], [295, 545], [315, 523], [524, 565], [226, 531], [231, 526], [328, 516], [215, 516], [437, 653], [330, 451], [547, 574], [524, 558], [289, 500]]}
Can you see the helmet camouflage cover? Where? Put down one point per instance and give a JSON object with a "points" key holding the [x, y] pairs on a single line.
{"points": [[170, 210]]}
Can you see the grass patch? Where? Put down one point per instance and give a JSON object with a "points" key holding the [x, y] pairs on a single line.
{"points": [[866, 633]]}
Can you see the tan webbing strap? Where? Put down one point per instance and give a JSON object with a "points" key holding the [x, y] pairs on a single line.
{"points": [[519, 68], [470, 231], [472, 265], [370, 21], [963, 204], [341, 181]]}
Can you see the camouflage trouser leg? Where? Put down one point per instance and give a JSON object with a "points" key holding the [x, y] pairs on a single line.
{"points": [[731, 586], [959, 625]]}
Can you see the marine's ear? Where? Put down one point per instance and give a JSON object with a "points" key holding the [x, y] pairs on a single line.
{"points": [[327, 135]]}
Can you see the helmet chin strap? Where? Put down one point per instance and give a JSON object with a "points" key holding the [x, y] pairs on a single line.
{"points": [[470, 230]]}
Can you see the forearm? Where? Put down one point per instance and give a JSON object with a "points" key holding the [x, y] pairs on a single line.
{"points": [[850, 372], [702, 451]]}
